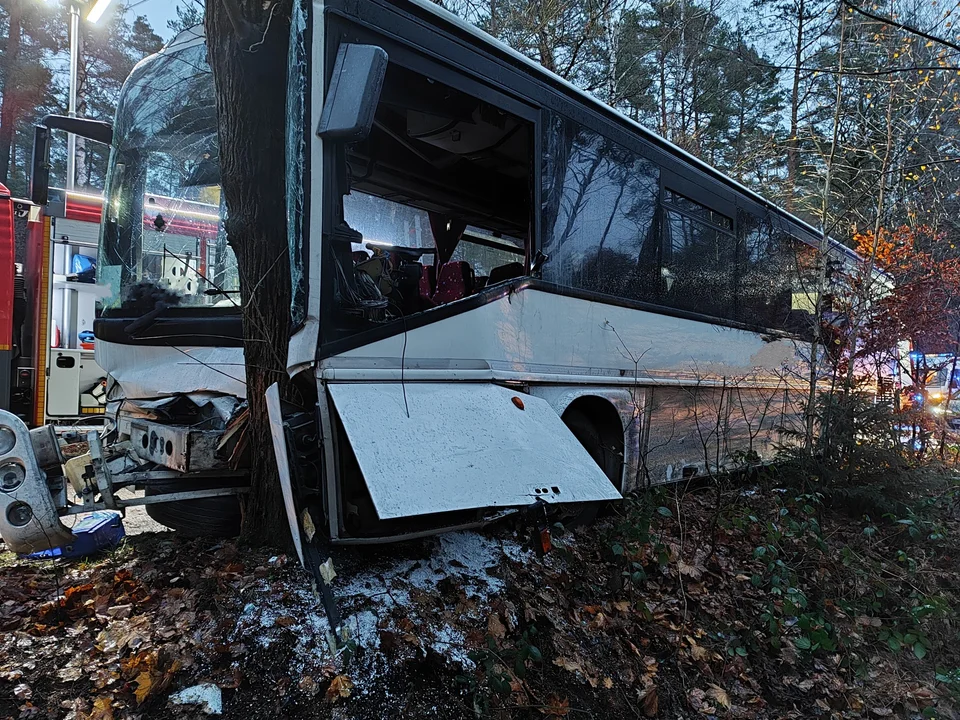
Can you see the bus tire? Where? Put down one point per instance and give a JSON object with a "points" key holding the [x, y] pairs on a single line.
{"points": [[603, 441], [204, 517]]}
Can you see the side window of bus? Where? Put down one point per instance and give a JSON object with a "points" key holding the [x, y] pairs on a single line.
{"points": [[766, 272], [775, 277], [699, 257], [599, 210], [439, 202]]}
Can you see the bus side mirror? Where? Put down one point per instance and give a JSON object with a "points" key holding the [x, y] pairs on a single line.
{"points": [[354, 92], [96, 130]]}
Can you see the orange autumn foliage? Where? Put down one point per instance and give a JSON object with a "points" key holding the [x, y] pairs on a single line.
{"points": [[923, 305]]}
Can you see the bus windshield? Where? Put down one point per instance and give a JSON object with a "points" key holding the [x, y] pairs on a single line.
{"points": [[163, 235]]}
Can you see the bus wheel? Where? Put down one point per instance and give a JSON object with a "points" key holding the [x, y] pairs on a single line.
{"points": [[596, 425], [204, 517]]}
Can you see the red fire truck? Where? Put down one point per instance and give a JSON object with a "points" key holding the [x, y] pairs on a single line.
{"points": [[47, 308]]}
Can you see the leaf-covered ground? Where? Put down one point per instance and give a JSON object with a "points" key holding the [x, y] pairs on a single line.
{"points": [[770, 607]]}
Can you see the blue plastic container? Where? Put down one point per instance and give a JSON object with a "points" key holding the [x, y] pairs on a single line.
{"points": [[98, 531]]}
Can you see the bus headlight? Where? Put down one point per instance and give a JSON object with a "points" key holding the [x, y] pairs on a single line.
{"points": [[19, 514], [11, 476]]}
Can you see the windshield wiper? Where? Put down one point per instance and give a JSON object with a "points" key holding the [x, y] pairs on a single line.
{"points": [[147, 319]]}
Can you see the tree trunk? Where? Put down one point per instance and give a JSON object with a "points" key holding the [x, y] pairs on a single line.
{"points": [[9, 109], [793, 142], [247, 49]]}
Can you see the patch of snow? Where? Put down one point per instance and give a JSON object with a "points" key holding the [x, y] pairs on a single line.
{"points": [[362, 628], [467, 556], [206, 695], [451, 643]]}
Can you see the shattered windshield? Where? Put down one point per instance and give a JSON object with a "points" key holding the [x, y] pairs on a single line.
{"points": [[163, 234]]}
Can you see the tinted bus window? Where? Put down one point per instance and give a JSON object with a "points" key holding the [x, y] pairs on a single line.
{"points": [[776, 276], [699, 258], [599, 212]]}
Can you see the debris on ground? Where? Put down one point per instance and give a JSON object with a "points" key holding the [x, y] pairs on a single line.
{"points": [[768, 607]]}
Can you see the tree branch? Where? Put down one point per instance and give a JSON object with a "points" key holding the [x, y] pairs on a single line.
{"points": [[244, 30], [901, 26]]}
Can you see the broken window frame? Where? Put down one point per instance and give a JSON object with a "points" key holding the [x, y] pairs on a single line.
{"points": [[339, 30]]}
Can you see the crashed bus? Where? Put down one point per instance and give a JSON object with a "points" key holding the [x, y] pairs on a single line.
{"points": [[505, 295]]}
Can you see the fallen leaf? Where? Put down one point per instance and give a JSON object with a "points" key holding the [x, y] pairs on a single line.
{"points": [[651, 703], [308, 685], [692, 571], [309, 529], [286, 620], [608, 683], [696, 698], [70, 674], [23, 692], [144, 683], [102, 708], [340, 687], [495, 628], [568, 664], [717, 693], [881, 712], [120, 611], [555, 707], [697, 652]]}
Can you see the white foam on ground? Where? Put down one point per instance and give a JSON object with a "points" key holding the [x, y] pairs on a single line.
{"points": [[206, 695]]}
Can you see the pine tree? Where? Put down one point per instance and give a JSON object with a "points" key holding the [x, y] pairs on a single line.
{"points": [[109, 52], [189, 14], [29, 33]]}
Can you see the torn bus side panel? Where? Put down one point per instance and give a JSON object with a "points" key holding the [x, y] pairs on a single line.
{"points": [[385, 461], [297, 450], [434, 448]]}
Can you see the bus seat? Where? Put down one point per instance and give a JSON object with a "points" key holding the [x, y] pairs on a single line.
{"points": [[428, 282], [454, 281], [505, 272]]}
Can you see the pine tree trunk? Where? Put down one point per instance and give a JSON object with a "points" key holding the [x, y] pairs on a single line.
{"points": [[250, 78], [9, 109]]}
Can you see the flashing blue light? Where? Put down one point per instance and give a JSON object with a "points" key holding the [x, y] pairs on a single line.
{"points": [[918, 398], [915, 356]]}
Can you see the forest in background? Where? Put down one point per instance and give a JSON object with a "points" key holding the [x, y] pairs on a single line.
{"points": [[757, 88], [34, 67]]}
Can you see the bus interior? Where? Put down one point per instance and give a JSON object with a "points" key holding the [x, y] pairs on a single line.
{"points": [[439, 202]]}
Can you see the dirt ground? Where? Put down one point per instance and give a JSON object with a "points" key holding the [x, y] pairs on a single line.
{"points": [[664, 608]]}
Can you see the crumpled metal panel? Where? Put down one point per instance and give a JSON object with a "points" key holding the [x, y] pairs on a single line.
{"points": [[28, 518], [155, 371], [437, 447]]}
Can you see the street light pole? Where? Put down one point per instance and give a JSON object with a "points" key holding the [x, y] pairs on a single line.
{"points": [[93, 16], [72, 93]]}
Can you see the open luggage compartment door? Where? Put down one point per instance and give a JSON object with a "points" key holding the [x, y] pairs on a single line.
{"points": [[436, 447]]}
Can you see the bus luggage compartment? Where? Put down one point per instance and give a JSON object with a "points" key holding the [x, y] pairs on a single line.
{"points": [[426, 448]]}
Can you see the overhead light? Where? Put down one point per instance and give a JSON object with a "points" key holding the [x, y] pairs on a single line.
{"points": [[96, 12]]}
